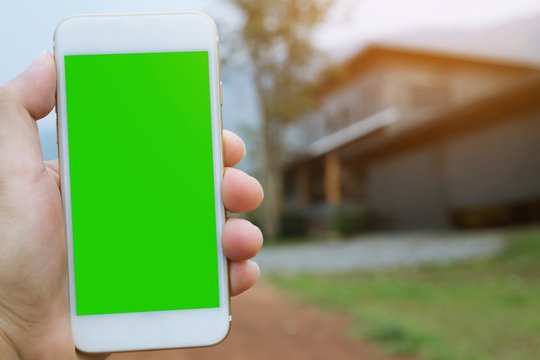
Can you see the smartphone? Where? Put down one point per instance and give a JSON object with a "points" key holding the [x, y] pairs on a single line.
{"points": [[139, 130]]}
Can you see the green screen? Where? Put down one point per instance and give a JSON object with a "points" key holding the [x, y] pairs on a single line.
{"points": [[142, 189]]}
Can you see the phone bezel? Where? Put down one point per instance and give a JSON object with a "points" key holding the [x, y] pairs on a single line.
{"points": [[144, 33]]}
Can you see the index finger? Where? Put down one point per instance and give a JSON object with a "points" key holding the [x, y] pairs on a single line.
{"points": [[234, 148]]}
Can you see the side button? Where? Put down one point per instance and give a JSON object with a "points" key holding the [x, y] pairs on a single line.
{"points": [[221, 92]]}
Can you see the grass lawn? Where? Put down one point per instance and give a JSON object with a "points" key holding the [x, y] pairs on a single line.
{"points": [[486, 309]]}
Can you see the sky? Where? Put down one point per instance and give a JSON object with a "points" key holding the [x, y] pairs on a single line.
{"points": [[26, 28], [369, 19]]}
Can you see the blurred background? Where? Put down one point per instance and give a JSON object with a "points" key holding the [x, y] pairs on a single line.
{"points": [[399, 147]]}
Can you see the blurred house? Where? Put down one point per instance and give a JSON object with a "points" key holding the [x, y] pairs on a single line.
{"points": [[420, 139]]}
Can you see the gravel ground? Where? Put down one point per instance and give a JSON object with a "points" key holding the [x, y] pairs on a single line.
{"points": [[378, 251]]}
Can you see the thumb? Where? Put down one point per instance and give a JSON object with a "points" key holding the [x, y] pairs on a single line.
{"points": [[35, 88]]}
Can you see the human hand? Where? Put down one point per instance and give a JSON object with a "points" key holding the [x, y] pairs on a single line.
{"points": [[34, 313]]}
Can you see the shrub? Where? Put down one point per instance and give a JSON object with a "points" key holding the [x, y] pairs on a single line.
{"points": [[349, 219], [293, 223]]}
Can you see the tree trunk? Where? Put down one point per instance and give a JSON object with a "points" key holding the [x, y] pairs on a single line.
{"points": [[271, 177]]}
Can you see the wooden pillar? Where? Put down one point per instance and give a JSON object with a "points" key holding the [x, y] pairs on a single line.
{"points": [[332, 178]]}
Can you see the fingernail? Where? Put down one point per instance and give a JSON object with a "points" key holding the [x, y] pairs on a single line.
{"points": [[245, 150], [257, 267], [38, 60]]}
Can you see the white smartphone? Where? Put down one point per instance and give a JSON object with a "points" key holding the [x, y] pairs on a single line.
{"points": [[139, 129]]}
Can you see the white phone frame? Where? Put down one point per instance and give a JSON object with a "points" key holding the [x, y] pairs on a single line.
{"points": [[144, 33]]}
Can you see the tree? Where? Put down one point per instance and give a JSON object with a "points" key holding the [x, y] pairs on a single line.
{"points": [[277, 35]]}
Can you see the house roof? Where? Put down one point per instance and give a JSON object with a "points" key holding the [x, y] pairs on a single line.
{"points": [[464, 55], [375, 52]]}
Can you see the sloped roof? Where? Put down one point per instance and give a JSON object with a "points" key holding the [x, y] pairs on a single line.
{"points": [[375, 52]]}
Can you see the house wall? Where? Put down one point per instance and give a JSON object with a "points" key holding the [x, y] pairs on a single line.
{"points": [[423, 187], [405, 191], [498, 165]]}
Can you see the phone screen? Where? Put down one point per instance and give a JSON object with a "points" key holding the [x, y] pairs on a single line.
{"points": [[142, 182]]}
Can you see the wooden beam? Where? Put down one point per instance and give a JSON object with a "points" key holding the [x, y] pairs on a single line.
{"points": [[332, 178]]}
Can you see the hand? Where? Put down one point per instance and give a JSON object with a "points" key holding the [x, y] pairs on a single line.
{"points": [[34, 319]]}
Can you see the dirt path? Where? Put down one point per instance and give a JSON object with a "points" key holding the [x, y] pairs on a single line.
{"points": [[268, 326]]}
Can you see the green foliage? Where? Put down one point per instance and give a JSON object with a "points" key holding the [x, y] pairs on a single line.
{"points": [[397, 337], [277, 35], [349, 219], [484, 309], [525, 248], [293, 224]]}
